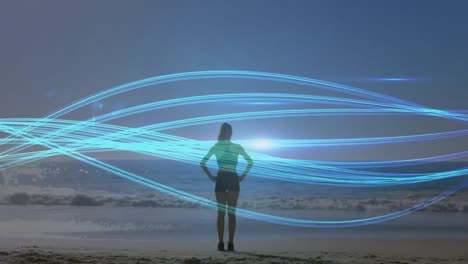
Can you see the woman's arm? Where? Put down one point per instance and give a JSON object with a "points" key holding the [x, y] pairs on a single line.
{"points": [[203, 164], [249, 163]]}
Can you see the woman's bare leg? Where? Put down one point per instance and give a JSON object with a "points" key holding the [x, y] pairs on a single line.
{"points": [[221, 199], [232, 202]]}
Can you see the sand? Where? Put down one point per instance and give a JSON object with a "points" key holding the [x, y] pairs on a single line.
{"points": [[62, 250]]}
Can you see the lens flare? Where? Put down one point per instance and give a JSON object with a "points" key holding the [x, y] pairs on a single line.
{"points": [[261, 144]]}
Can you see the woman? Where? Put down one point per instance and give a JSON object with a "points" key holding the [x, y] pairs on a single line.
{"points": [[227, 181]]}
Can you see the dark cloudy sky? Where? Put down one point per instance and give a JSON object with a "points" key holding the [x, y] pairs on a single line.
{"points": [[55, 52]]}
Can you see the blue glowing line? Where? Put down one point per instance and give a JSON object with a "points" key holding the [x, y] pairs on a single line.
{"points": [[75, 138], [393, 79]]}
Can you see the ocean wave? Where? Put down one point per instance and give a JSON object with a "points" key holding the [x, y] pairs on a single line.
{"points": [[70, 197]]}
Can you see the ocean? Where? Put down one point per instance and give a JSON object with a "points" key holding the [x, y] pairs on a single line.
{"points": [[71, 199]]}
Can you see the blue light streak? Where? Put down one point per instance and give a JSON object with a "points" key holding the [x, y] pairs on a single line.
{"points": [[76, 139]]}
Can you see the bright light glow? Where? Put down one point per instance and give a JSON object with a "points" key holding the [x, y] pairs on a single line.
{"points": [[262, 144]]}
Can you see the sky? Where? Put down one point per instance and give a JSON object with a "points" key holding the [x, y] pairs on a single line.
{"points": [[56, 52]]}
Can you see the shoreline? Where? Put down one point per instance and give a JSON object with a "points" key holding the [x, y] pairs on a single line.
{"points": [[26, 250], [303, 246]]}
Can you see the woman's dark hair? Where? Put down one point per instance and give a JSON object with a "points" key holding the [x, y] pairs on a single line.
{"points": [[225, 132]]}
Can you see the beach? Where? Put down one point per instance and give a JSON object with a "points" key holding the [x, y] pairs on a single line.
{"points": [[71, 214], [248, 251], [337, 131], [38, 234]]}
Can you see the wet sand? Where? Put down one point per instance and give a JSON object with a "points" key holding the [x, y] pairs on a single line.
{"points": [[27, 250]]}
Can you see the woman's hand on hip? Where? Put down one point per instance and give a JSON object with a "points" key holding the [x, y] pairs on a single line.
{"points": [[241, 178]]}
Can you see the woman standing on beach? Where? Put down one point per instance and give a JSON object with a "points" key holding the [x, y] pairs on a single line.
{"points": [[227, 181]]}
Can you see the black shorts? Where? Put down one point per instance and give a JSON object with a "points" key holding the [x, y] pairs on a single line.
{"points": [[227, 181]]}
